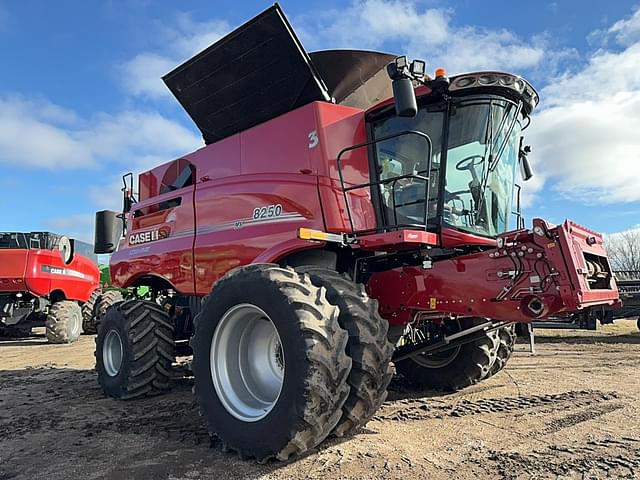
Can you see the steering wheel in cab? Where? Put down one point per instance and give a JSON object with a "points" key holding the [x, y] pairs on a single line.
{"points": [[470, 163]]}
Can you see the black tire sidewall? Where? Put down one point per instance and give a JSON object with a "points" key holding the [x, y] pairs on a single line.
{"points": [[275, 429]]}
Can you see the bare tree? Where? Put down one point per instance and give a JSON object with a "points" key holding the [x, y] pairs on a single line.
{"points": [[624, 249]]}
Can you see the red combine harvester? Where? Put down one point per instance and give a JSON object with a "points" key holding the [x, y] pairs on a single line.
{"points": [[46, 280], [347, 213]]}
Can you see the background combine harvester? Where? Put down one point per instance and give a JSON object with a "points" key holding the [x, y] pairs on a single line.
{"points": [[348, 211], [46, 280]]}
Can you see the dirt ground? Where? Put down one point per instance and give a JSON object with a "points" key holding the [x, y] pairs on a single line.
{"points": [[570, 411]]}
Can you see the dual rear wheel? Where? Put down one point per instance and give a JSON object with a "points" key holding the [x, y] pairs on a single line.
{"points": [[284, 358], [281, 358]]}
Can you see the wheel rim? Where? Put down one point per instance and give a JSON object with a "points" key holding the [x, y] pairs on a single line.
{"points": [[444, 358], [76, 327], [112, 353], [437, 360], [247, 362]]}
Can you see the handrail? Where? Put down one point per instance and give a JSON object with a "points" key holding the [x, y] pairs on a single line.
{"points": [[393, 180]]}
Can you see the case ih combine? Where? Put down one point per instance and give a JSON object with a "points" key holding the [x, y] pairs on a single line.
{"points": [[44, 280], [347, 212]]}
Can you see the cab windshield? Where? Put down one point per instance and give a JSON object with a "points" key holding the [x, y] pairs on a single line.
{"points": [[478, 163]]}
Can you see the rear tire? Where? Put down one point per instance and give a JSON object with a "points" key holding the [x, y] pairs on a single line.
{"points": [[64, 322], [506, 342], [134, 350], [107, 300], [291, 406], [368, 347], [465, 365], [89, 325]]}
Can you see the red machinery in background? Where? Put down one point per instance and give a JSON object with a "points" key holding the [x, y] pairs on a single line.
{"points": [[45, 278]]}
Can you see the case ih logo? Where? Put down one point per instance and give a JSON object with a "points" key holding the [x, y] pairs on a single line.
{"points": [[61, 271], [150, 236]]}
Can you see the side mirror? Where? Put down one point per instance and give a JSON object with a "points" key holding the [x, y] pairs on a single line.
{"points": [[66, 248], [403, 92], [108, 231], [525, 167], [405, 98]]}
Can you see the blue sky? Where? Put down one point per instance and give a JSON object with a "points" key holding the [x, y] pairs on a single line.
{"points": [[81, 100]]}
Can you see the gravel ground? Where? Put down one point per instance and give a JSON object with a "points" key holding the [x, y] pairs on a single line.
{"points": [[570, 411]]}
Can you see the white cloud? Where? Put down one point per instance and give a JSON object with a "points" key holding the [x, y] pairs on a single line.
{"points": [[428, 33], [142, 75], [585, 138], [627, 31], [71, 221], [30, 136], [37, 133], [78, 226], [138, 133]]}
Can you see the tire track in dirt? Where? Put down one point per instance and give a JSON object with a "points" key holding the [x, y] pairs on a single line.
{"points": [[611, 458], [583, 416], [71, 401], [423, 408]]}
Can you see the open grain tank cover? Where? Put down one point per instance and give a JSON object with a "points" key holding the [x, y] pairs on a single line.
{"points": [[260, 71], [255, 73], [356, 78]]}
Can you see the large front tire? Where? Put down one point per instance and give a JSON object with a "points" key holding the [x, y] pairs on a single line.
{"points": [[368, 347], [453, 369], [269, 362], [107, 300], [134, 350], [64, 322]]}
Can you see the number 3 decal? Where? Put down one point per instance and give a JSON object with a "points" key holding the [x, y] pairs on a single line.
{"points": [[313, 139]]}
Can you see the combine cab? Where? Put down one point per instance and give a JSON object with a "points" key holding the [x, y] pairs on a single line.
{"points": [[348, 212], [45, 278]]}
